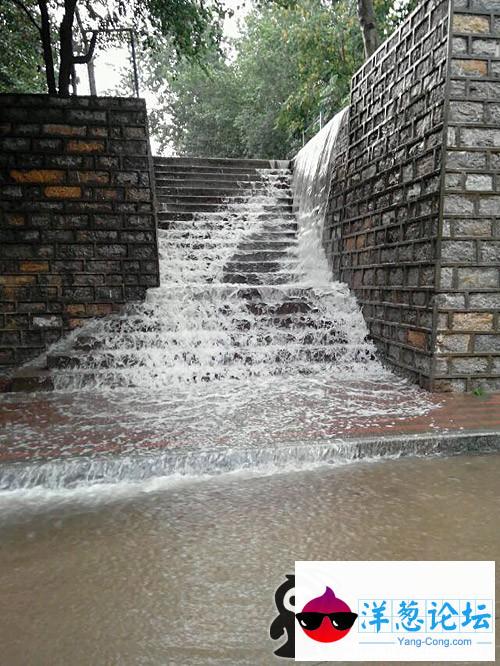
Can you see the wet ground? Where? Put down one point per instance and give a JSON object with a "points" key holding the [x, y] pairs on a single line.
{"points": [[183, 573], [257, 414]]}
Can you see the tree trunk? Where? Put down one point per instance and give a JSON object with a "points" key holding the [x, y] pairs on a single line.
{"points": [[66, 47], [368, 23], [90, 64], [48, 56]]}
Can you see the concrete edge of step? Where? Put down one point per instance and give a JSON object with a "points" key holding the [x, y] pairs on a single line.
{"points": [[337, 451]]}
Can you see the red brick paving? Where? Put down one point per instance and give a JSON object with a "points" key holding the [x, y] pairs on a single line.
{"points": [[41, 428]]}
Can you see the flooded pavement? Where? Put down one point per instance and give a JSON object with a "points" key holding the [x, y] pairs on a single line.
{"points": [[182, 572]]}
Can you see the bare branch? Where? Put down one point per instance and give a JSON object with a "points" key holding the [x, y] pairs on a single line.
{"points": [[83, 59]]}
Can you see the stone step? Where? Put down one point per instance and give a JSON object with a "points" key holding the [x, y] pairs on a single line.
{"points": [[176, 233], [187, 199], [223, 161], [165, 218], [260, 250], [218, 190], [265, 266], [255, 256], [259, 278], [202, 187]]}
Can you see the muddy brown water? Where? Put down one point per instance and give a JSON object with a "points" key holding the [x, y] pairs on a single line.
{"points": [[183, 573]]}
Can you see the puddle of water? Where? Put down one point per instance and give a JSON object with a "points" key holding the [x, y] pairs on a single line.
{"points": [[184, 573]]}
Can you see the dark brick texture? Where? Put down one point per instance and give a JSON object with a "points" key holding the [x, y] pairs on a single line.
{"points": [[77, 215]]}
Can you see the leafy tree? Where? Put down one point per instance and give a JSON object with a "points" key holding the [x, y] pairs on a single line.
{"points": [[20, 55], [292, 62], [192, 25], [198, 107]]}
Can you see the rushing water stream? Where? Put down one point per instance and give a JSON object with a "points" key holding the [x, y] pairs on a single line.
{"points": [[247, 344], [115, 545], [172, 573]]}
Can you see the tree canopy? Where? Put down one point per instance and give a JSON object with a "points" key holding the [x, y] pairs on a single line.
{"points": [[190, 25], [292, 62], [20, 55]]}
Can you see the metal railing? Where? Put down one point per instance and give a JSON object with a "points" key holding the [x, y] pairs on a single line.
{"points": [[318, 121]]}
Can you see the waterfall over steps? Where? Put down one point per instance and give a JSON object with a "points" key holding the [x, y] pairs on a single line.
{"points": [[248, 356], [240, 295]]}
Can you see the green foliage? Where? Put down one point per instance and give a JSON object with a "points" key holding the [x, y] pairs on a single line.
{"points": [[292, 61], [191, 27], [202, 101], [20, 56]]}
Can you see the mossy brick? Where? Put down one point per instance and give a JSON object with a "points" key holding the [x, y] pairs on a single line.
{"points": [[480, 137], [472, 321], [81, 146], [47, 321], [469, 366], [127, 147], [471, 24], [47, 145], [98, 132], [85, 116], [109, 193], [477, 277], [14, 144], [87, 280], [417, 339], [469, 67], [64, 130], [135, 293], [105, 267], [63, 192], [471, 227], [74, 250], [98, 309], [112, 294], [90, 177], [490, 252], [97, 235], [78, 294], [37, 175], [34, 266], [15, 219], [126, 178], [487, 343], [74, 309]]}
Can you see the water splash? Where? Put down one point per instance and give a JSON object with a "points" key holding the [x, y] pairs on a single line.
{"points": [[247, 356], [312, 176], [240, 296]]}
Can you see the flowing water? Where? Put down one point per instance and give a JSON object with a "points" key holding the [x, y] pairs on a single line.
{"points": [[247, 343], [173, 573], [116, 545]]}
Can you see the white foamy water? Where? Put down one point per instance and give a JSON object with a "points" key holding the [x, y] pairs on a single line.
{"points": [[248, 356], [242, 295]]}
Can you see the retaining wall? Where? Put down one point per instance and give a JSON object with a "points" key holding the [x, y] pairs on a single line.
{"points": [[414, 210], [77, 215]]}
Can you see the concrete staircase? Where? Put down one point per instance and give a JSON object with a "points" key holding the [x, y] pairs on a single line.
{"points": [[187, 185], [282, 320]]}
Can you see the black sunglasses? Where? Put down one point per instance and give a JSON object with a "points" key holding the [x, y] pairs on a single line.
{"points": [[340, 621]]}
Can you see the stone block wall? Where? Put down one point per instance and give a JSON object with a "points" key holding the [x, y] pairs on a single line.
{"points": [[468, 293], [414, 211], [77, 215], [386, 193]]}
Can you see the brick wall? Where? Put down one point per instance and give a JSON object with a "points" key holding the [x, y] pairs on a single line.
{"points": [[414, 217], [386, 192], [468, 299], [77, 215]]}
